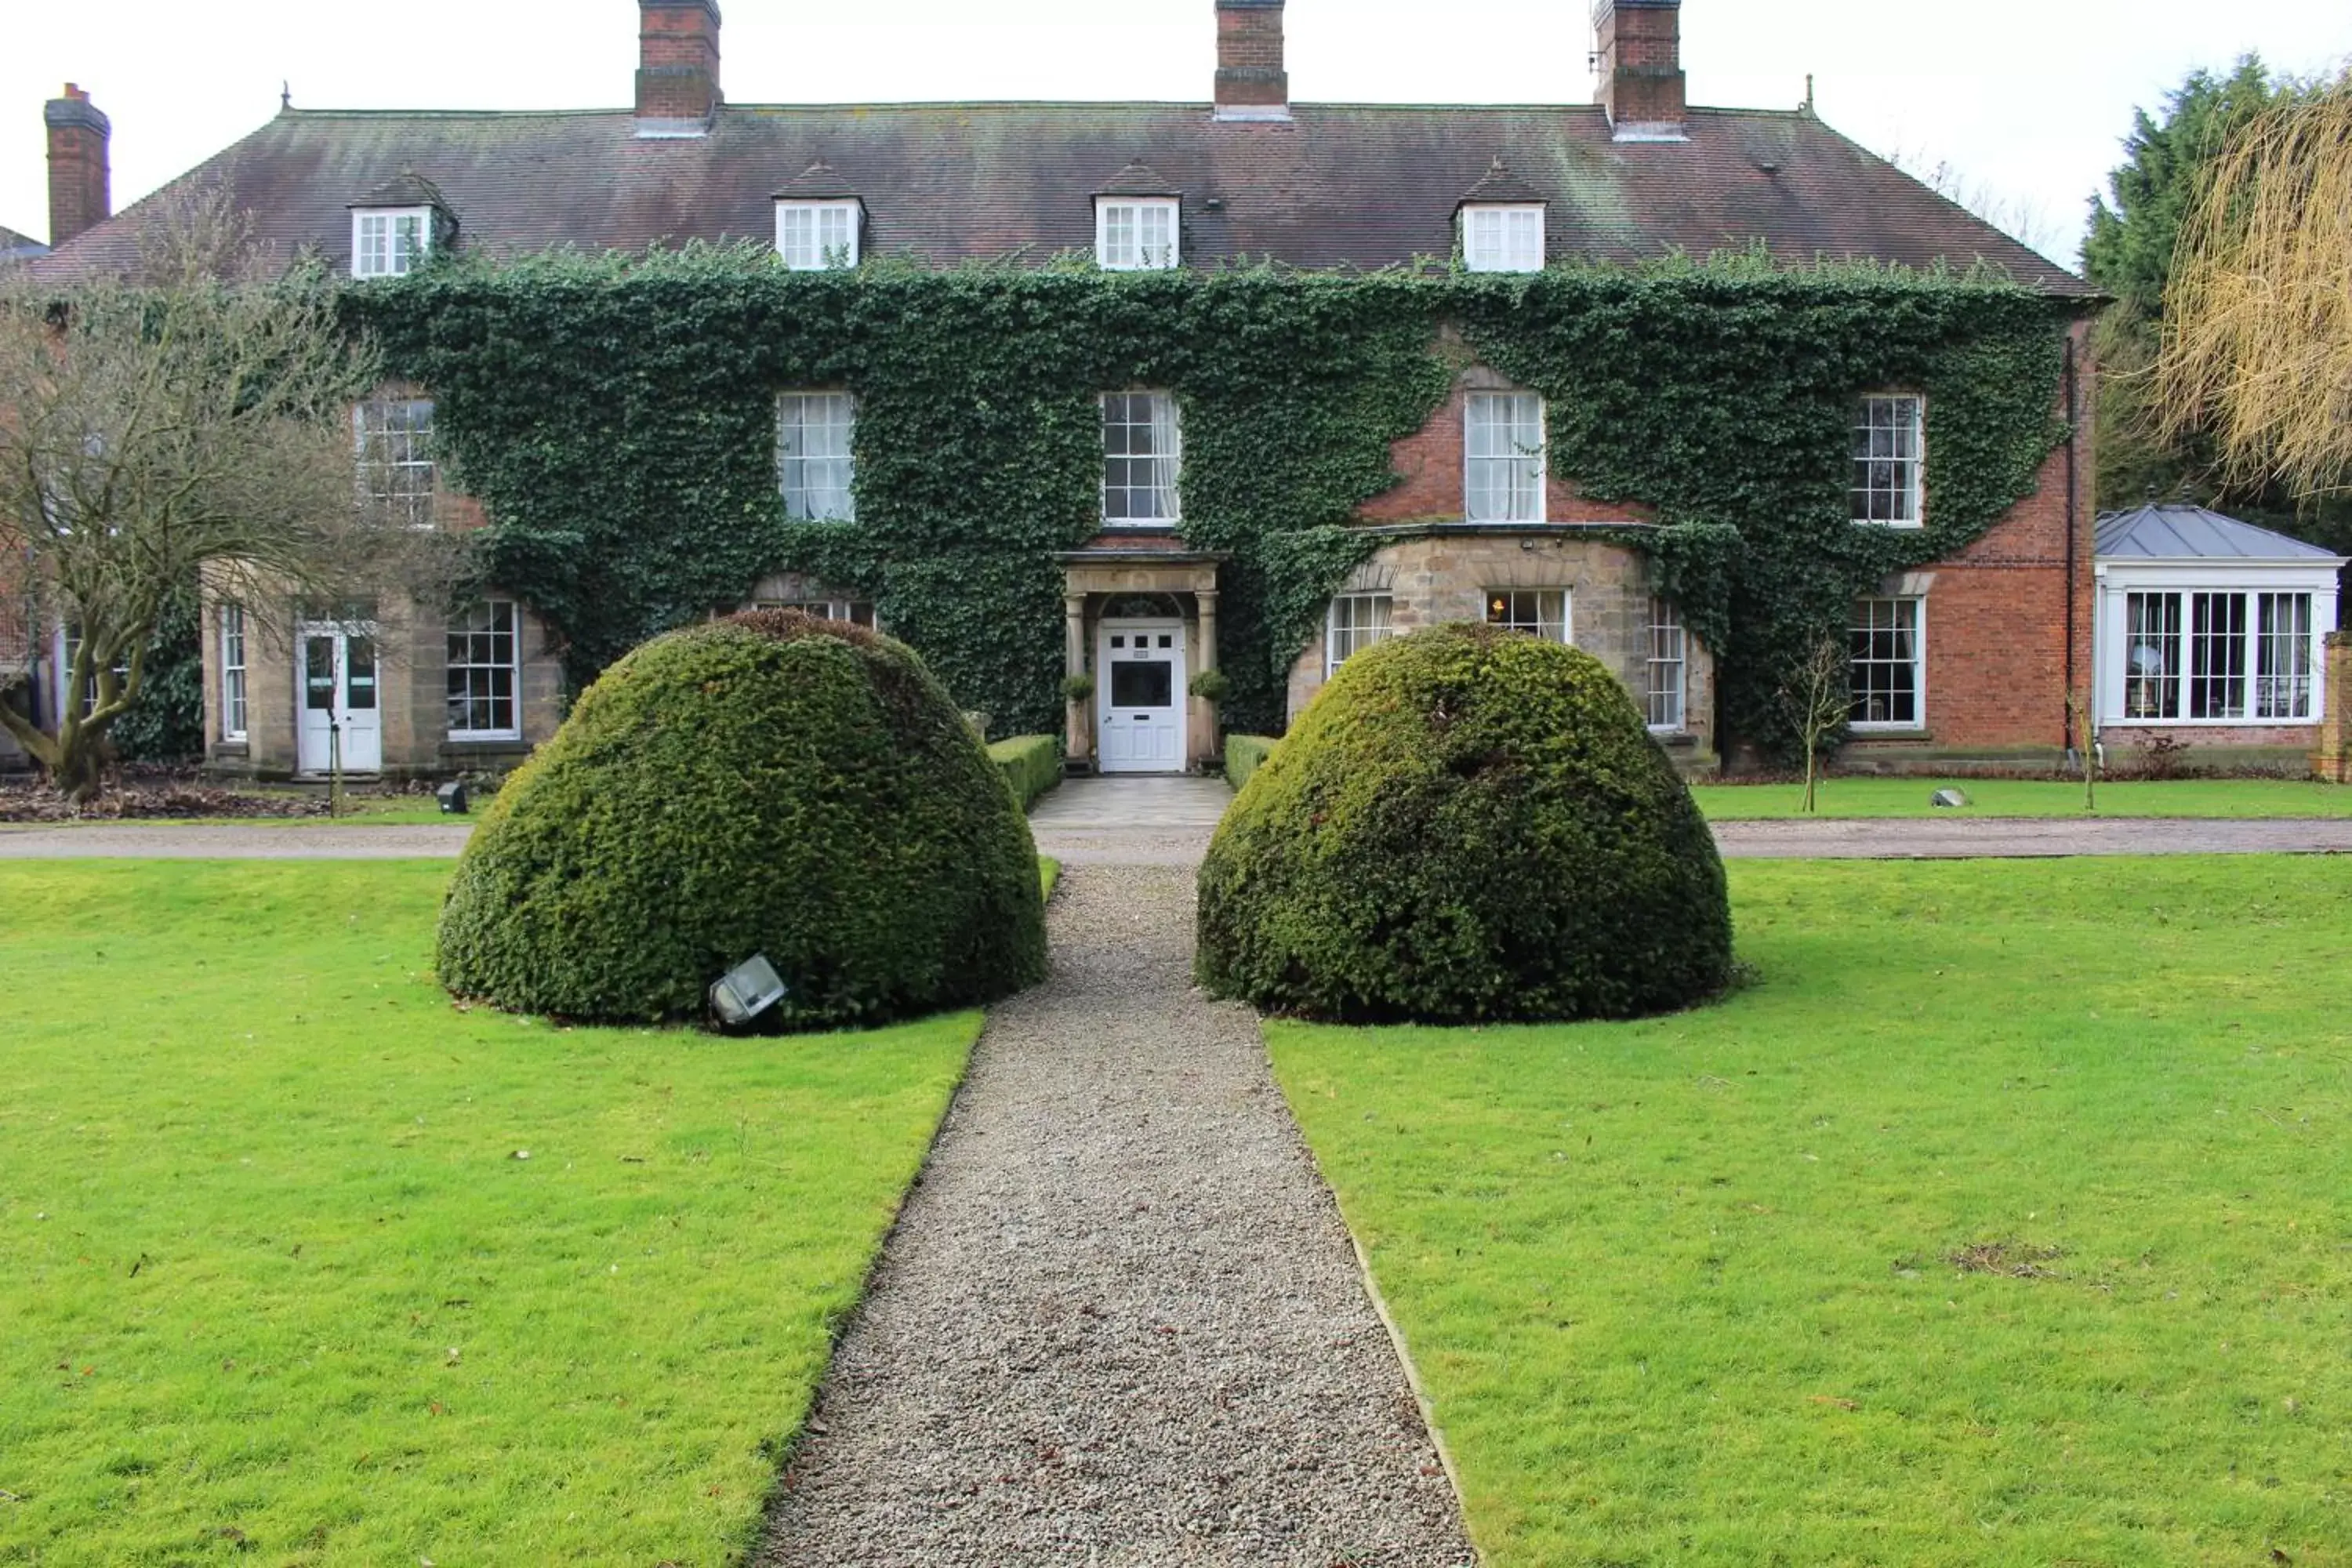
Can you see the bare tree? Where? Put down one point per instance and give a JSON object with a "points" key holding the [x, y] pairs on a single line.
{"points": [[1815, 699], [2258, 339], [189, 418], [2020, 218]]}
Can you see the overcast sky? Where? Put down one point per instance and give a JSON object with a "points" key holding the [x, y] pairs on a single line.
{"points": [[2026, 99]]}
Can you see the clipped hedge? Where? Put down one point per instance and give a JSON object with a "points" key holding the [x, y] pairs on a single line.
{"points": [[1466, 825], [768, 783], [1032, 764], [1244, 755]]}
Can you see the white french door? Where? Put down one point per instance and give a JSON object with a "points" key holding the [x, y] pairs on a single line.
{"points": [[339, 696], [1140, 697]]}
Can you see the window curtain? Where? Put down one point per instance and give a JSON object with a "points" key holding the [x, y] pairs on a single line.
{"points": [[1166, 449]]}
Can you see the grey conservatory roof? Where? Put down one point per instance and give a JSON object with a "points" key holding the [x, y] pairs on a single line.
{"points": [[2183, 533]]}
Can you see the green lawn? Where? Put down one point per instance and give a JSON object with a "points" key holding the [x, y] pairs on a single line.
{"points": [[277, 1284], [1701, 1290], [2032, 797]]}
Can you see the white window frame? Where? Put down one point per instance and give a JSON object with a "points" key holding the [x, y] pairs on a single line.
{"points": [[2191, 591], [1906, 494], [235, 711], [1666, 685], [389, 480], [464, 630], [1918, 607], [1165, 417], [804, 502], [828, 610], [1123, 238], [1546, 613], [389, 242], [803, 242], [1522, 495], [1503, 236], [1370, 617]]}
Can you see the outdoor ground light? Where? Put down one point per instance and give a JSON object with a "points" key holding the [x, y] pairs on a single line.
{"points": [[452, 797], [746, 990]]}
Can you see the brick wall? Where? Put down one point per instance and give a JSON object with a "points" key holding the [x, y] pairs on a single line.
{"points": [[677, 64], [1249, 72], [80, 185], [1431, 463]]}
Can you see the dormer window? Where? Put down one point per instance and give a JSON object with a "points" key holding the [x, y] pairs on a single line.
{"points": [[816, 236], [1135, 234], [390, 242], [1499, 238]]}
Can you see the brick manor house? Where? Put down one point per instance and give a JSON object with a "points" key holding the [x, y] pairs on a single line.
{"points": [[1967, 661]]}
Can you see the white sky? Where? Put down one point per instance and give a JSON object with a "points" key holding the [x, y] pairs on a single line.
{"points": [[2026, 99]]}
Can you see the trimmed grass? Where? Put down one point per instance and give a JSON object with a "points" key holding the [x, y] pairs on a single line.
{"points": [[2030, 797], [2008, 1221], [279, 1285]]}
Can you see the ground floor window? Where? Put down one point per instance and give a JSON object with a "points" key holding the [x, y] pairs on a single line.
{"points": [[1669, 669], [1358, 621], [1888, 672], [857, 611], [485, 672], [2217, 656], [232, 633], [1538, 611]]}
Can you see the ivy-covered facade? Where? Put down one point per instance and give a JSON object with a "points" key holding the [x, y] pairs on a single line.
{"points": [[1136, 419]]}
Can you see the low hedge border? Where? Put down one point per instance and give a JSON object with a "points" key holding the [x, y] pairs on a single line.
{"points": [[1032, 764], [1244, 755]]}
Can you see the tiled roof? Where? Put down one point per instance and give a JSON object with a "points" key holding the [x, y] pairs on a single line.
{"points": [[2193, 533], [1337, 185], [14, 246]]}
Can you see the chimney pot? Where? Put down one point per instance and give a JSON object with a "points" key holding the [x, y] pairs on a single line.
{"points": [[1252, 83], [678, 67], [81, 183], [1639, 62]]}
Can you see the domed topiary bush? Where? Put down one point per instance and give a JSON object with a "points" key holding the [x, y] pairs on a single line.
{"points": [[767, 783], [1467, 825]]}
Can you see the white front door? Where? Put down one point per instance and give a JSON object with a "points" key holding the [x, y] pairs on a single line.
{"points": [[1140, 697], [338, 696]]}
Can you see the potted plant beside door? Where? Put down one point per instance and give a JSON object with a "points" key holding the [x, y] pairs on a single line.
{"points": [[1211, 686]]}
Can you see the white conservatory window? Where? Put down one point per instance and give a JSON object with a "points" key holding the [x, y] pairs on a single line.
{"points": [[1889, 461], [1889, 670], [813, 236], [388, 242], [1503, 457], [1669, 668], [1503, 238], [815, 463], [1538, 611], [232, 652], [1358, 621], [485, 672], [2218, 657], [1143, 450], [395, 458], [1135, 235]]}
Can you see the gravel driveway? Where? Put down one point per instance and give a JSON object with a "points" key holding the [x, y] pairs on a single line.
{"points": [[1119, 1321]]}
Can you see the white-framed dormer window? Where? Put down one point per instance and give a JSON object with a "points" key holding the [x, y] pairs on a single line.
{"points": [[232, 657], [1537, 612], [815, 463], [1136, 234], [1889, 669], [395, 458], [1357, 622], [814, 237], [387, 242], [1501, 238], [1503, 457], [1890, 460], [1669, 668], [1143, 453], [485, 672]]}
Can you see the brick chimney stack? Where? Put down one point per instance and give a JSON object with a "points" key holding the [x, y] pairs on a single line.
{"points": [[1640, 66], [1251, 81], [81, 192], [678, 67]]}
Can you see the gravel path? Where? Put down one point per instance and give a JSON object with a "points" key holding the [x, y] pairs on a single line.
{"points": [[1119, 1321]]}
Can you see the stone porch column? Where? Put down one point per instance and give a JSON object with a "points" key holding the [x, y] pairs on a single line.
{"points": [[2332, 759], [1204, 714], [1078, 741]]}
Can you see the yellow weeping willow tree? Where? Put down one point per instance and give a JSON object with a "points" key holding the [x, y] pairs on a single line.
{"points": [[2258, 339]]}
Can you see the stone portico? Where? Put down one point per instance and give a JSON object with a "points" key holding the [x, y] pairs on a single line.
{"points": [[1156, 586]]}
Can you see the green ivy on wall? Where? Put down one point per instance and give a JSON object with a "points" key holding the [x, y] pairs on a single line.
{"points": [[616, 417]]}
